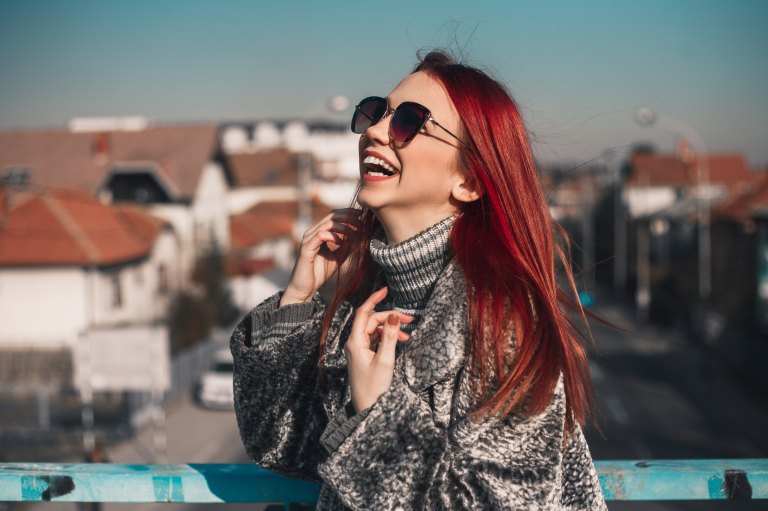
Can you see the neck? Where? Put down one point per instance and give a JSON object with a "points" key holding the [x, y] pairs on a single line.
{"points": [[402, 225], [412, 267]]}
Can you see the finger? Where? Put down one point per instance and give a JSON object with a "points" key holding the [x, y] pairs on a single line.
{"points": [[336, 226], [318, 239], [341, 230], [360, 325], [383, 315], [323, 225], [377, 319], [401, 336], [389, 335], [337, 216], [370, 304], [344, 231]]}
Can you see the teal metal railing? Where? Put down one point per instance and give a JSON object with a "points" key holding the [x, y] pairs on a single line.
{"points": [[200, 483]]}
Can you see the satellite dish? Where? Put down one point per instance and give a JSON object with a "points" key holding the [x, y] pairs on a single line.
{"points": [[645, 116], [338, 104]]}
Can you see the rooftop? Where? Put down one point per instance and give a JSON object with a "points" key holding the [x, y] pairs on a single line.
{"points": [[728, 169], [69, 227], [270, 167], [82, 159], [269, 219], [743, 206]]}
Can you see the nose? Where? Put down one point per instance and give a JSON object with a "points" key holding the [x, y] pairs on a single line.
{"points": [[379, 132]]}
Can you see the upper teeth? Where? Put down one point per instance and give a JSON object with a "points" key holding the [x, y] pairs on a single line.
{"points": [[372, 160]]}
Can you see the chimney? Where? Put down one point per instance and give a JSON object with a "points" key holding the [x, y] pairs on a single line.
{"points": [[684, 151], [100, 147]]}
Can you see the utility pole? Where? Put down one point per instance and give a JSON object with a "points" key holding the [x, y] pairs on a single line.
{"points": [[647, 117]]}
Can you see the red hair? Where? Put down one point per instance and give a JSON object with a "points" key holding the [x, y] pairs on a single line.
{"points": [[511, 282]]}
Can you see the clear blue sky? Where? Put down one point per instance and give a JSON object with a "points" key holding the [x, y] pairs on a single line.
{"points": [[579, 69]]}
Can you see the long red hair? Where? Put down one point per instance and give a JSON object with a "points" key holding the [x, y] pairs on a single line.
{"points": [[511, 282]]}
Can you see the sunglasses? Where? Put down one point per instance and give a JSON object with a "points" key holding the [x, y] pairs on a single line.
{"points": [[408, 119]]}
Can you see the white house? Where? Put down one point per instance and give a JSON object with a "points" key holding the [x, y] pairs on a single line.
{"points": [[174, 171], [71, 266], [264, 248], [255, 149], [658, 181]]}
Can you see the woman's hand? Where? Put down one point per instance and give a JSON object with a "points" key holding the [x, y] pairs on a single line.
{"points": [[370, 370], [317, 261]]}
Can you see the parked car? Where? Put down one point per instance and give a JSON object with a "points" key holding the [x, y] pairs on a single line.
{"points": [[214, 389]]}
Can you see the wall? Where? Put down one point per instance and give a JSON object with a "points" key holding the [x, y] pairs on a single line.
{"points": [[209, 210], [181, 218], [141, 299], [42, 307], [249, 291], [241, 199], [645, 200], [48, 307]]}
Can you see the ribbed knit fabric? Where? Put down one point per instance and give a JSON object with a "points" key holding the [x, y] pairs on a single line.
{"points": [[341, 426], [412, 267]]}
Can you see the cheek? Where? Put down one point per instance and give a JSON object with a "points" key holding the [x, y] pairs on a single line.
{"points": [[427, 180], [431, 167]]}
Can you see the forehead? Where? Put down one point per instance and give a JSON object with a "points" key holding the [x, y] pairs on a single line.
{"points": [[423, 89]]}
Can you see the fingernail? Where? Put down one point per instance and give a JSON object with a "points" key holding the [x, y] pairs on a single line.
{"points": [[393, 320]]}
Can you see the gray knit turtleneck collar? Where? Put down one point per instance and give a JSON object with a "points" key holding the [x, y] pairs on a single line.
{"points": [[412, 267]]}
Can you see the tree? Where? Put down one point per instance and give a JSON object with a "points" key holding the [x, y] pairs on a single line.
{"points": [[194, 311]]}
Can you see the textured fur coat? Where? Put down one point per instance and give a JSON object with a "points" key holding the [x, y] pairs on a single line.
{"points": [[415, 448]]}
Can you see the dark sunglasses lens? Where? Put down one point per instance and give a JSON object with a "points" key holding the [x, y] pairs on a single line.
{"points": [[368, 113], [407, 121]]}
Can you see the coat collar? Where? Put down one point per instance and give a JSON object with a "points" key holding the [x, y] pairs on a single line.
{"points": [[438, 345]]}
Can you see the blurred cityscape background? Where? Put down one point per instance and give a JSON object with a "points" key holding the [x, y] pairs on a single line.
{"points": [[159, 162]]}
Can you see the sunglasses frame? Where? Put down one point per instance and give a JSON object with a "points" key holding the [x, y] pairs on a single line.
{"points": [[389, 110]]}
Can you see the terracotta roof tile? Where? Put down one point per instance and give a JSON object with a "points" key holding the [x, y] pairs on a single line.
{"points": [[744, 205], [71, 228], [669, 170], [274, 167], [244, 267], [62, 158], [269, 219], [145, 226], [655, 169]]}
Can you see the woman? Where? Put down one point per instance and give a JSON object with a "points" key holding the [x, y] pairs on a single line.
{"points": [[444, 375]]}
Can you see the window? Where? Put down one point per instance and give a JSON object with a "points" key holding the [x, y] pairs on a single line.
{"points": [[117, 291], [136, 185], [162, 280]]}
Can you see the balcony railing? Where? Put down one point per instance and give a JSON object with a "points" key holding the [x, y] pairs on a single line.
{"points": [[200, 483]]}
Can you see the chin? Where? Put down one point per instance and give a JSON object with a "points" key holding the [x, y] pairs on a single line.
{"points": [[368, 202]]}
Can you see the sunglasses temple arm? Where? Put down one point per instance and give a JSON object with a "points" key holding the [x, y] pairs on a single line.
{"points": [[447, 131]]}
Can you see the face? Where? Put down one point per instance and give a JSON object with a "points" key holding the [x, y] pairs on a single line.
{"points": [[426, 185]]}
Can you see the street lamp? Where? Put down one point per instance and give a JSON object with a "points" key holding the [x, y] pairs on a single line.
{"points": [[647, 117]]}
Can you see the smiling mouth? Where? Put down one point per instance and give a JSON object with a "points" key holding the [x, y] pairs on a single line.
{"points": [[378, 167]]}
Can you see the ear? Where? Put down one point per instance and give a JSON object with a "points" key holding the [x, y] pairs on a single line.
{"points": [[466, 188]]}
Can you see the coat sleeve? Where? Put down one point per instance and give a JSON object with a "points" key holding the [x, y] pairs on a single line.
{"points": [[400, 457], [278, 409]]}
